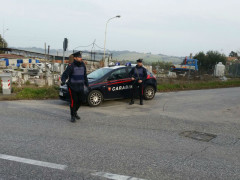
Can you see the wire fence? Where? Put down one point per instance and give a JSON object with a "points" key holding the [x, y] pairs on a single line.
{"points": [[233, 70]]}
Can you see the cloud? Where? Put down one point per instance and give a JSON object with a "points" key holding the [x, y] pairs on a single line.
{"points": [[172, 27]]}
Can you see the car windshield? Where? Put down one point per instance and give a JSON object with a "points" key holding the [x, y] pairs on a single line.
{"points": [[99, 73]]}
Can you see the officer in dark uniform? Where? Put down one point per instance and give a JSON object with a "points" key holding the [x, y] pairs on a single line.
{"points": [[77, 77], [138, 75]]}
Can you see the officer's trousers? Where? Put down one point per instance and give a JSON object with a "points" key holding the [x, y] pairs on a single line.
{"points": [[137, 88], [76, 100]]}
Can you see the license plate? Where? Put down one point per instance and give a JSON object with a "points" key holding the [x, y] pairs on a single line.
{"points": [[60, 93]]}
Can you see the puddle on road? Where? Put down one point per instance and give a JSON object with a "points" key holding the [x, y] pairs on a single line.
{"points": [[200, 136]]}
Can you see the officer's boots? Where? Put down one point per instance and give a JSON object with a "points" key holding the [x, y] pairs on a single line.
{"points": [[73, 119], [141, 102], [131, 102], [77, 116]]}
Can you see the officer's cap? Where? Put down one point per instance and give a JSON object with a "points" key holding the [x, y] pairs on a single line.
{"points": [[140, 60], [77, 54]]}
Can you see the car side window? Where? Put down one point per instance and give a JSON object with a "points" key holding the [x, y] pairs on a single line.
{"points": [[129, 69], [119, 74]]}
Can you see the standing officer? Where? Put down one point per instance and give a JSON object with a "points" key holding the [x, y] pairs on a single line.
{"points": [[77, 77], [138, 75]]}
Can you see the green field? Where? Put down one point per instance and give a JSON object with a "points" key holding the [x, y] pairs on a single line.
{"points": [[32, 92], [165, 87]]}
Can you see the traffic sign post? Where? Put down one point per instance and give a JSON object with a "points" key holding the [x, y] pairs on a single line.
{"points": [[65, 46]]}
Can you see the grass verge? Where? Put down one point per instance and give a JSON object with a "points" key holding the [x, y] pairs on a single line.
{"points": [[166, 87], [38, 93], [32, 93]]}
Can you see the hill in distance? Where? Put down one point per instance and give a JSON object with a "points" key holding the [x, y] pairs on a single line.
{"points": [[118, 55], [147, 57]]}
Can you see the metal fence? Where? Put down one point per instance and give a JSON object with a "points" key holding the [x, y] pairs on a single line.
{"points": [[233, 70]]}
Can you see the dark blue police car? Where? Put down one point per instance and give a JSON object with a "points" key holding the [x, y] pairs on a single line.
{"points": [[111, 83]]}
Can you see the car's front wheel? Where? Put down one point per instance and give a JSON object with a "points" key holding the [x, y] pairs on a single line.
{"points": [[149, 93], [95, 98]]}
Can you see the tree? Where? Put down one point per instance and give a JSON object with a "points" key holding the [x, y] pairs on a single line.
{"points": [[209, 60], [3, 43], [202, 60], [233, 54], [162, 65], [214, 57]]}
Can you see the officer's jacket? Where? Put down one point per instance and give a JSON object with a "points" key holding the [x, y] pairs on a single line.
{"points": [[76, 74], [139, 73]]}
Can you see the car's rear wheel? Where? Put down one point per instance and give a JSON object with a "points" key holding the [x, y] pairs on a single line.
{"points": [[95, 98], [149, 93]]}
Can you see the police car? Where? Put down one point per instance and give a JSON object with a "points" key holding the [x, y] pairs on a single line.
{"points": [[111, 83]]}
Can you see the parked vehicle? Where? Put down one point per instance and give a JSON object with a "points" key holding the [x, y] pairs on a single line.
{"points": [[111, 83], [188, 65]]}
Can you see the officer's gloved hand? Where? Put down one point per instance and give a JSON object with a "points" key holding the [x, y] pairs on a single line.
{"points": [[89, 88]]}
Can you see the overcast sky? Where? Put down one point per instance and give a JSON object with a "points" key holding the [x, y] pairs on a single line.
{"points": [[171, 27]]}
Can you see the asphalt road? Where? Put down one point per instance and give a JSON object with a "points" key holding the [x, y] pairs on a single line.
{"points": [[118, 141]]}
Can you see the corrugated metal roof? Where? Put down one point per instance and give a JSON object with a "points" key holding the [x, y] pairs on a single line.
{"points": [[232, 58], [10, 56]]}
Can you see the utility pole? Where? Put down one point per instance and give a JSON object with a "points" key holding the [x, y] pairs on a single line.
{"points": [[45, 64], [53, 62], [3, 33], [48, 51], [92, 48], [105, 39], [63, 57], [3, 36], [48, 59], [62, 65]]}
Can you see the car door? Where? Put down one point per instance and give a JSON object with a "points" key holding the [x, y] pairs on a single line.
{"points": [[116, 83], [128, 84]]}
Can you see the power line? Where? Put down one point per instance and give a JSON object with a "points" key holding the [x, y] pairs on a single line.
{"points": [[93, 47], [84, 46], [99, 46], [102, 48]]}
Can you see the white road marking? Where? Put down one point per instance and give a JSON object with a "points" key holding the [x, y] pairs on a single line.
{"points": [[114, 176], [63, 167], [33, 162]]}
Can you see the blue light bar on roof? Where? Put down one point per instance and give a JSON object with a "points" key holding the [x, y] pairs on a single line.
{"points": [[128, 64]]}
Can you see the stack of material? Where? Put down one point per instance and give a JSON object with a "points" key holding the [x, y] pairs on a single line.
{"points": [[2, 63], [40, 82], [33, 72], [219, 70]]}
